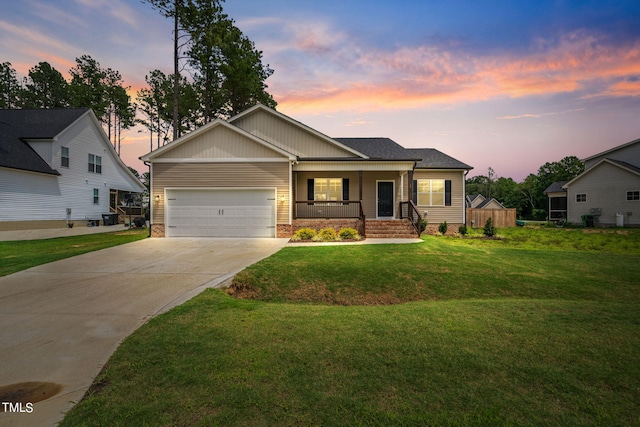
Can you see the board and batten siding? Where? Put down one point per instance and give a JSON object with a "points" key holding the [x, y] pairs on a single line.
{"points": [[30, 196], [293, 139], [453, 214], [221, 175], [606, 188], [220, 143]]}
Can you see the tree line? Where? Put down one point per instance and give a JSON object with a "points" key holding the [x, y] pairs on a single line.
{"points": [[527, 197], [218, 72]]}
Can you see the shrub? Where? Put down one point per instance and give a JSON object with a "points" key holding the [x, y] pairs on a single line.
{"points": [[423, 225], [348, 233], [443, 227], [304, 234], [326, 235], [463, 230], [489, 229]]}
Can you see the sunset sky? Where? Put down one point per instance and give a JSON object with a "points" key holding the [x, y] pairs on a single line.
{"points": [[502, 84]]}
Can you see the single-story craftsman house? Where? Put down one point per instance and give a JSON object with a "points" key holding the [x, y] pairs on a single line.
{"points": [[608, 189], [264, 174], [57, 167]]}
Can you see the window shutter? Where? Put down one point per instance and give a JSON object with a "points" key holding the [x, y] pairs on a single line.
{"points": [[310, 191], [447, 192], [345, 189], [415, 192]]}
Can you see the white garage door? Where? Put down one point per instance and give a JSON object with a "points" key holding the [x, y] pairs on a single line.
{"points": [[221, 213]]}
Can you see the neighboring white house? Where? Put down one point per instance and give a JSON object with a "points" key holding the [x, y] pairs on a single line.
{"points": [[608, 189], [58, 166]]}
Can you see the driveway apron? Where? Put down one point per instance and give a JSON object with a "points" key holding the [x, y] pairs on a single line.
{"points": [[60, 322]]}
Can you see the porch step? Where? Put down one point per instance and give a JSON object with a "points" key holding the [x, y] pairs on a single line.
{"points": [[390, 229]]}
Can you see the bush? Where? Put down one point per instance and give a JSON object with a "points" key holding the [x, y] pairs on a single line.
{"points": [[349, 234], [304, 234], [463, 230], [489, 229], [423, 225], [326, 235], [443, 227]]}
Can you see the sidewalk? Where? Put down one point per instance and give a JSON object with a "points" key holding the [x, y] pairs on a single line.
{"points": [[50, 233]]}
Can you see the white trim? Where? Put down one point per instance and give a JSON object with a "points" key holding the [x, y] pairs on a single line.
{"points": [[343, 166], [224, 160], [393, 203]]}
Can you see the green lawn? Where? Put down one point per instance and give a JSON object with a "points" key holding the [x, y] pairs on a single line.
{"points": [[450, 331], [19, 255]]}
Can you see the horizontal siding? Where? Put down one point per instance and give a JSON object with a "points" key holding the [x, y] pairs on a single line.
{"points": [[606, 188], [436, 214], [220, 143], [285, 135], [220, 175], [629, 154], [31, 196]]}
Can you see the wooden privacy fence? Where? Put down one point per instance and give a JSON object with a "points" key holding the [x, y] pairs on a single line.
{"points": [[501, 217]]}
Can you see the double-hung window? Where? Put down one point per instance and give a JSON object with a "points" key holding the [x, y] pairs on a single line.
{"points": [[64, 157], [327, 189], [95, 163], [633, 195], [581, 197], [96, 196], [432, 192]]}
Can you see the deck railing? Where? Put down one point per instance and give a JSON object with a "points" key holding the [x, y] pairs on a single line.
{"points": [[410, 211]]}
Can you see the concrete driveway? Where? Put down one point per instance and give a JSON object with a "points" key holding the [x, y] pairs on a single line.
{"points": [[60, 322]]}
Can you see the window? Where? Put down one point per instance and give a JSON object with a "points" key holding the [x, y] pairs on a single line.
{"points": [[64, 157], [430, 192], [582, 197], [327, 189], [95, 164], [633, 195], [96, 196]]}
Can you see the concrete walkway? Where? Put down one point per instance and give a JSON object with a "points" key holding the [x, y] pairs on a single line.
{"points": [[60, 322]]}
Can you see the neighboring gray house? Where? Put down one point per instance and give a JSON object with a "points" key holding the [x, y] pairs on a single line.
{"points": [[58, 166], [609, 188], [264, 174]]}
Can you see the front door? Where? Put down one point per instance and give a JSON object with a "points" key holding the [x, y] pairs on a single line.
{"points": [[385, 198]]}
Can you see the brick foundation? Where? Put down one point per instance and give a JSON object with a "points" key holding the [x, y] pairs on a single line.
{"points": [[284, 231], [157, 230]]}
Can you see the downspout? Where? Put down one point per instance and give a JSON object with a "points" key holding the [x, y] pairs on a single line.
{"points": [[464, 198], [150, 197]]}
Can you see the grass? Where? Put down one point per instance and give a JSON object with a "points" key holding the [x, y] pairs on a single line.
{"points": [[19, 255], [447, 332]]}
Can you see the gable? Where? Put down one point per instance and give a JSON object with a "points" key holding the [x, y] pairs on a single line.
{"points": [[290, 135], [629, 152], [605, 173], [221, 142]]}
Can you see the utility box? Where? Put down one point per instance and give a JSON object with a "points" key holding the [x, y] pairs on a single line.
{"points": [[619, 219]]}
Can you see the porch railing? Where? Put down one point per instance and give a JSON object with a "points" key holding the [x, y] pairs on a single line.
{"points": [[410, 211], [335, 209]]}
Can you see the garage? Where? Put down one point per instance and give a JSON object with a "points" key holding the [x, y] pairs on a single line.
{"points": [[221, 212]]}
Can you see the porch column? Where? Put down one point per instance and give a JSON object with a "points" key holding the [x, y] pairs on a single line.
{"points": [[360, 185], [294, 186]]}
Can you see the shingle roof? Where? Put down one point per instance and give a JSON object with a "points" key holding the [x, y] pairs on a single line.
{"points": [[379, 148], [434, 159], [555, 187], [16, 126]]}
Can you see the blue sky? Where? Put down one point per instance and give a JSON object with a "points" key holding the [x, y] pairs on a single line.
{"points": [[502, 84]]}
